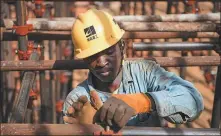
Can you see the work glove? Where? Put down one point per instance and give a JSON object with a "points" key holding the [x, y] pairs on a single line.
{"points": [[115, 112], [83, 111], [119, 108]]}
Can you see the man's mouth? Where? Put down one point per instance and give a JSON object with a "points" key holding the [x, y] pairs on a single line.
{"points": [[105, 73]]}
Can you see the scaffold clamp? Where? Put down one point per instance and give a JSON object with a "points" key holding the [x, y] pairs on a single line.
{"points": [[22, 30], [24, 55], [39, 8]]}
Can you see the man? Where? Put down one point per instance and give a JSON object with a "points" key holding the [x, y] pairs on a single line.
{"points": [[123, 92]]}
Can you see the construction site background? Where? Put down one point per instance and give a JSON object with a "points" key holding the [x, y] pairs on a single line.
{"points": [[202, 77]]}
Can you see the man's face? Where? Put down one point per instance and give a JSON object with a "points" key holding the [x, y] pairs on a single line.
{"points": [[106, 65]]}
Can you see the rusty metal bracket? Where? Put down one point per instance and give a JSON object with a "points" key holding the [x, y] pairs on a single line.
{"points": [[23, 29], [191, 6], [67, 51], [32, 96], [107, 132], [24, 55], [39, 8], [63, 78], [59, 106]]}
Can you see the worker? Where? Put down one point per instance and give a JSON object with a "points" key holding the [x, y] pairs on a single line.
{"points": [[121, 92]]}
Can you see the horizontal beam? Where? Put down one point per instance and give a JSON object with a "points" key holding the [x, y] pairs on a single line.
{"points": [[169, 26], [170, 18], [98, 0], [138, 18], [78, 129], [59, 25], [79, 64], [169, 46], [66, 35], [48, 129]]}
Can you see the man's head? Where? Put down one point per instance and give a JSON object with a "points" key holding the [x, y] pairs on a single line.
{"points": [[97, 40], [106, 64]]}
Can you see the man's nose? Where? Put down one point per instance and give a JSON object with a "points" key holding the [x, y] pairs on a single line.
{"points": [[102, 60]]}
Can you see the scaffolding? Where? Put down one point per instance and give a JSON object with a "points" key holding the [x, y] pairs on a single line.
{"points": [[31, 61]]}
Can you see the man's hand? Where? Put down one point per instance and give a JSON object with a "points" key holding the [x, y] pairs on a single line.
{"points": [[119, 108], [116, 112], [83, 111]]}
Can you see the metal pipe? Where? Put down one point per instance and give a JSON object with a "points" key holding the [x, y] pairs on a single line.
{"points": [[215, 122], [21, 101], [168, 46], [8, 23], [79, 64], [90, 129], [96, 0], [129, 26], [138, 18], [21, 20], [168, 26], [48, 129], [66, 35], [50, 83], [168, 131], [170, 18]]}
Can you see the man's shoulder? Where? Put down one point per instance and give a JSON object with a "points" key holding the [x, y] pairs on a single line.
{"points": [[140, 63]]}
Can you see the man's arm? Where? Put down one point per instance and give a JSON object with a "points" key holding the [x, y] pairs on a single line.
{"points": [[175, 99]]}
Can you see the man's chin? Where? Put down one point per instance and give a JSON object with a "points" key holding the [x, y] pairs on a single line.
{"points": [[106, 79]]}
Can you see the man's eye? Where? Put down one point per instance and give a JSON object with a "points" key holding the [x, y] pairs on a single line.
{"points": [[110, 51]]}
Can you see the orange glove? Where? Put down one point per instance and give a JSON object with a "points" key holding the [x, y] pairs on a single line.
{"points": [[119, 108], [140, 102]]}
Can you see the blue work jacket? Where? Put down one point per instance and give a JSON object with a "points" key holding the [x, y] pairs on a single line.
{"points": [[176, 100]]}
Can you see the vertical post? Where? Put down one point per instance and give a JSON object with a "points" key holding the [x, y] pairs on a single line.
{"points": [[169, 5], [51, 84], [62, 88], [152, 4], [21, 101], [47, 106], [215, 122], [2, 91], [143, 7], [3, 75], [21, 20]]}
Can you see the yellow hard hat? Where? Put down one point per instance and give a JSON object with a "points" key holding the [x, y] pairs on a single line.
{"points": [[93, 32]]}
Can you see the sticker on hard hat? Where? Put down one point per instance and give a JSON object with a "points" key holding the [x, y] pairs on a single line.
{"points": [[90, 33]]}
